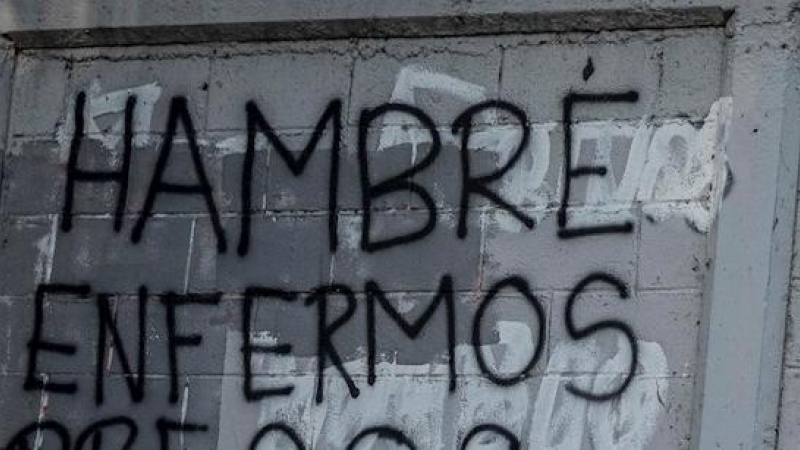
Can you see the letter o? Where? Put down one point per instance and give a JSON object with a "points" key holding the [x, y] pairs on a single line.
{"points": [[520, 285], [513, 441], [270, 427], [389, 433]]}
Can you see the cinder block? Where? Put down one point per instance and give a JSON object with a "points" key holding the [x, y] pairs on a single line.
{"points": [[73, 321], [108, 83], [228, 152], [273, 186], [448, 416], [672, 255], [510, 329], [430, 347], [533, 181], [204, 406], [211, 322], [26, 164], [661, 407], [442, 180], [383, 163], [285, 251], [309, 191], [18, 407], [415, 266], [93, 253], [39, 95], [29, 162], [665, 324], [608, 145], [692, 73], [26, 255], [16, 318], [286, 84], [443, 77], [512, 407], [549, 262], [538, 77], [180, 169], [276, 322], [490, 147]]}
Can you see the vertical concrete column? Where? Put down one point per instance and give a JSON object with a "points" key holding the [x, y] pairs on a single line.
{"points": [[6, 71], [748, 291]]}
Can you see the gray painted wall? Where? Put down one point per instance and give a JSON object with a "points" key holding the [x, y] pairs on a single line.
{"points": [[678, 316]]}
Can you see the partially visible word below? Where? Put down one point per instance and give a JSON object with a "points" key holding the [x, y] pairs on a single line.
{"points": [[94, 434], [326, 301]]}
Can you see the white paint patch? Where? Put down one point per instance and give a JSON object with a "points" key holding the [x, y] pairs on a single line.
{"points": [[672, 168], [100, 104], [350, 232], [703, 175], [184, 140], [400, 129], [45, 249], [415, 398], [417, 76], [560, 419]]}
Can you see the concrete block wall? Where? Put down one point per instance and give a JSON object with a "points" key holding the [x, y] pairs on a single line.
{"points": [[495, 358]]}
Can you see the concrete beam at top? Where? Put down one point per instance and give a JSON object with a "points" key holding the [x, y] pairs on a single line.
{"points": [[50, 23]]}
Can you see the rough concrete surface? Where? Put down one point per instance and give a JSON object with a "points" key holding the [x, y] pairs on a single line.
{"points": [[438, 225]]}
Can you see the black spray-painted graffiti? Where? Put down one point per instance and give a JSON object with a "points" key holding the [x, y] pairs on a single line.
{"points": [[316, 299], [326, 329], [20, 441], [370, 189]]}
